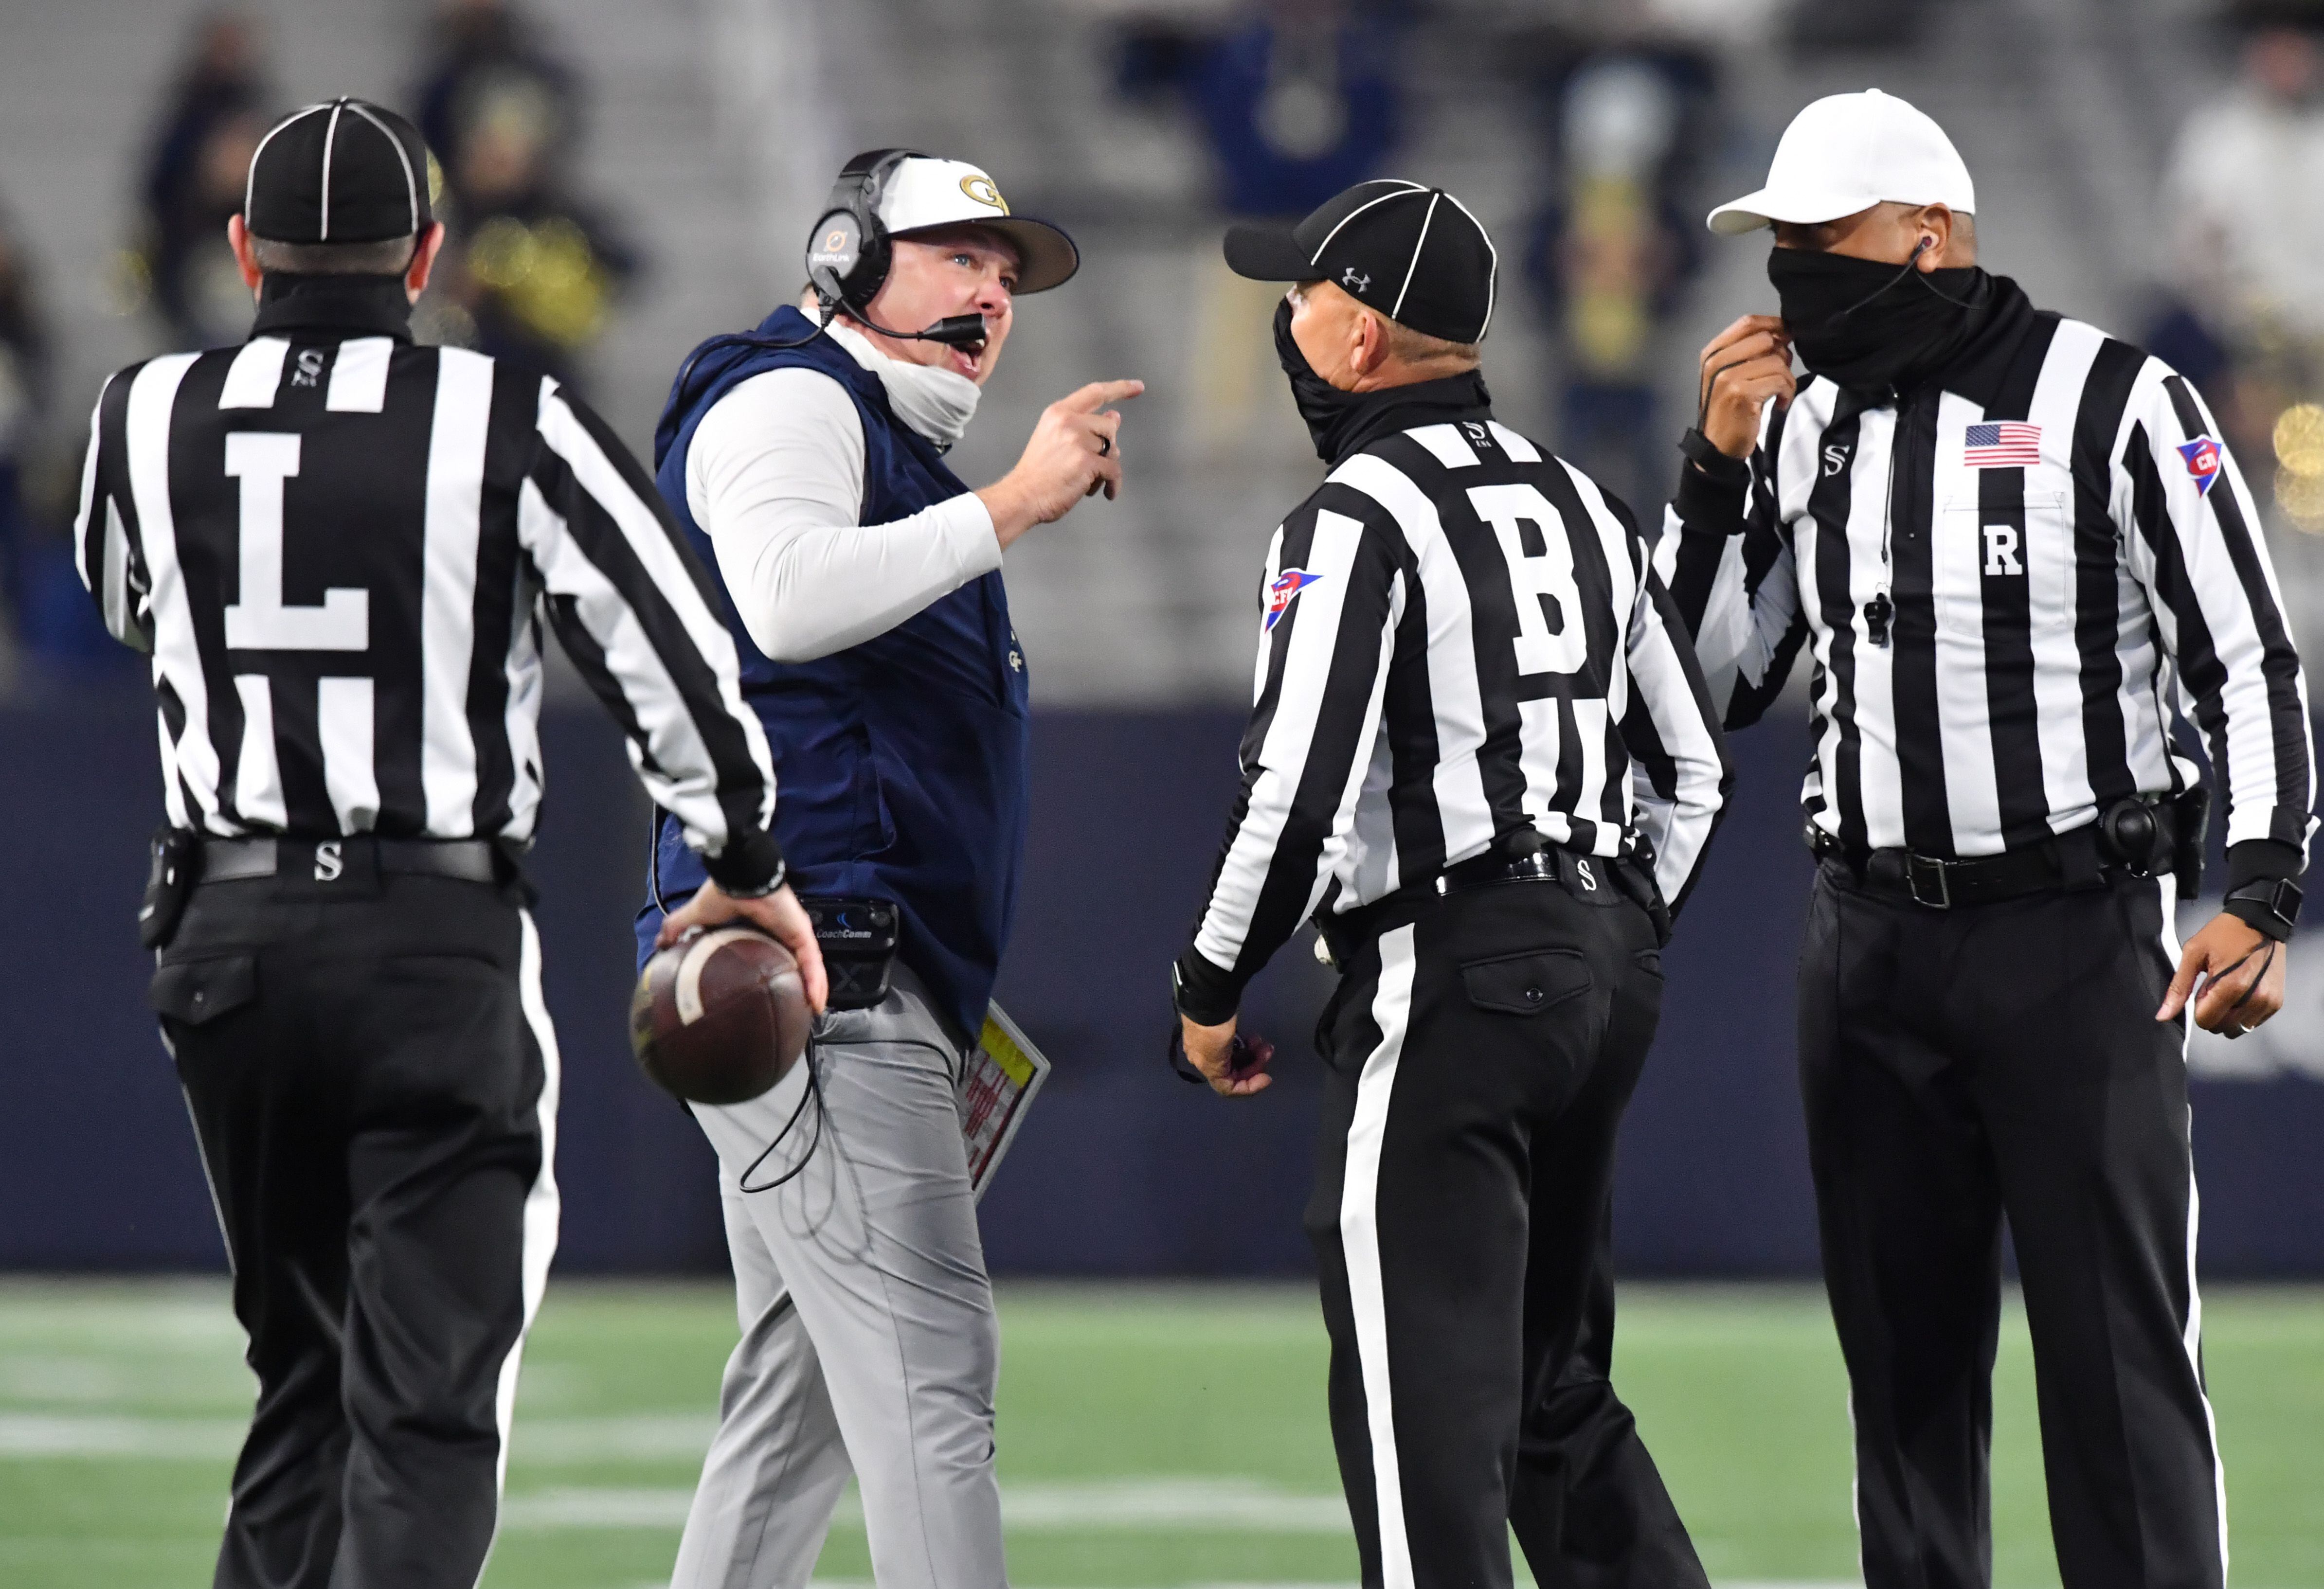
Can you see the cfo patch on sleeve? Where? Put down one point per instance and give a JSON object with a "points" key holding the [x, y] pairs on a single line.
{"points": [[1285, 587], [2201, 457]]}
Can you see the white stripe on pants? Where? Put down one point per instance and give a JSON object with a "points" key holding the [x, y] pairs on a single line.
{"points": [[542, 1205], [869, 1339], [1360, 1239], [2168, 887]]}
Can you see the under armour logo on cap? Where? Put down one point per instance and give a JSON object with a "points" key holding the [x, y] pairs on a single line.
{"points": [[1416, 254], [346, 171]]}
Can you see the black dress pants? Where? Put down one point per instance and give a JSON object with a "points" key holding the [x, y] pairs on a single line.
{"points": [[2004, 1060], [1479, 1061], [373, 1082]]}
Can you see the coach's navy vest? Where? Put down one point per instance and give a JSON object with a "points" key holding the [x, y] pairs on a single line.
{"points": [[899, 763]]}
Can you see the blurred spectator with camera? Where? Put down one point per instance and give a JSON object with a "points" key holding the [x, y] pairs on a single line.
{"points": [[1296, 100], [217, 112], [44, 613], [485, 55], [2246, 236], [1610, 254], [534, 271], [23, 372]]}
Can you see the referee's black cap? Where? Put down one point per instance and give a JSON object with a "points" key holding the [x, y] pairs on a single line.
{"points": [[1414, 253], [346, 171]]}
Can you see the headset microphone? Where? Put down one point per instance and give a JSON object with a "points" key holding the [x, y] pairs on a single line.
{"points": [[952, 330], [957, 331]]}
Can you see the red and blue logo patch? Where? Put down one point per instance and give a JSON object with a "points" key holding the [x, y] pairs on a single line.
{"points": [[1285, 587], [2201, 457]]}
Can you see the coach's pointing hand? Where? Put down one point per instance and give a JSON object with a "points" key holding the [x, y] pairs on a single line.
{"points": [[1742, 367], [1076, 451]]}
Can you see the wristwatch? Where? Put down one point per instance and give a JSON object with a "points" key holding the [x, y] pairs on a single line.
{"points": [[2272, 905]]}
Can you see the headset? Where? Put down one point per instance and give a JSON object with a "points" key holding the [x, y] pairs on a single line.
{"points": [[850, 252], [848, 257]]}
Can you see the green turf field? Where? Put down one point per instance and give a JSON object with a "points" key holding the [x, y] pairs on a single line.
{"points": [[1149, 1436]]}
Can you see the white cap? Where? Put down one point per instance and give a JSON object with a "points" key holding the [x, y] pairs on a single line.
{"points": [[924, 192], [1847, 152]]}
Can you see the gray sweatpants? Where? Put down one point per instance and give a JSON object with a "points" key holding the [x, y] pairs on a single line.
{"points": [[869, 1342]]}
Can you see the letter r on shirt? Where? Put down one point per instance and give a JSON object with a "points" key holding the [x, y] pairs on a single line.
{"points": [[2001, 550]]}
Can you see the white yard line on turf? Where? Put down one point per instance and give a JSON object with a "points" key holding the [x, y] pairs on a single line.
{"points": [[1213, 1505], [1521, 1580], [42, 1435], [1227, 1506], [539, 1442]]}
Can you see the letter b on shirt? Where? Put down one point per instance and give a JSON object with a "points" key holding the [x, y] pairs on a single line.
{"points": [[1550, 636]]}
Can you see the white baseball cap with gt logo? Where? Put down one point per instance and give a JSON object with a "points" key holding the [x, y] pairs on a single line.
{"points": [[1848, 152], [924, 193]]}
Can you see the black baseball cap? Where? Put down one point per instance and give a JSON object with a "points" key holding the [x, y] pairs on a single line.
{"points": [[346, 171], [1416, 255]]}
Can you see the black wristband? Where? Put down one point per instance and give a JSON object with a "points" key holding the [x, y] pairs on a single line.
{"points": [[751, 866], [1714, 503], [782, 876], [2263, 860], [1202, 992], [1703, 453], [2270, 907]]}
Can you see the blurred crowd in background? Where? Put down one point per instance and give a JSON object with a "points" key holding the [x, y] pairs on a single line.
{"points": [[1629, 113], [530, 273]]}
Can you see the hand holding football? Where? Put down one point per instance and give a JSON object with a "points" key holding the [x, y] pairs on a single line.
{"points": [[719, 1017]]}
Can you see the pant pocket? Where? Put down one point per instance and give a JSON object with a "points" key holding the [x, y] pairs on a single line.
{"points": [[1530, 983], [197, 992]]}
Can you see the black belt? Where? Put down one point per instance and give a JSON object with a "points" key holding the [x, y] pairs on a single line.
{"points": [[227, 861], [1616, 875], [2069, 860]]}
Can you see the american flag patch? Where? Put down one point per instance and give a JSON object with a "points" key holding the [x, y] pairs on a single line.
{"points": [[2012, 443]]}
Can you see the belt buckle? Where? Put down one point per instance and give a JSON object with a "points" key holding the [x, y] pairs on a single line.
{"points": [[1916, 867]]}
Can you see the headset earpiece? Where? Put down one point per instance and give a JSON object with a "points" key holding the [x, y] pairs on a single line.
{"points": [[837, 260], [848, 253]]}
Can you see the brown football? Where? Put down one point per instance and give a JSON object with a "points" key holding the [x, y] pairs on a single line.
{"points": [[719, 1017]]}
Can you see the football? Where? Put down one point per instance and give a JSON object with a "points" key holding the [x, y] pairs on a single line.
{"points": [[719, 1017]]}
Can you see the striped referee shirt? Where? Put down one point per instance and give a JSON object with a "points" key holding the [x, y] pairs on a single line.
{"points": [[1462, 638], [2004, 578], [338, 547]]}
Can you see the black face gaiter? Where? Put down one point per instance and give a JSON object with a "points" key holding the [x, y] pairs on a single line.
{"points": [[1343, 421], [1871, 326], [1325, 407]]}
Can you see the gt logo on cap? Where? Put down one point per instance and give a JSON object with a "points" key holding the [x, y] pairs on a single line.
{"points": [[980, 188]]}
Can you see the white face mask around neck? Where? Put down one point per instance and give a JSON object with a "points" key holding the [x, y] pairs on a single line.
{"points": [[936, 403]]}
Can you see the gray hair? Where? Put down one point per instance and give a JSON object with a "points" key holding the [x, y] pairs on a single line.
{"points": [[391, 257]]}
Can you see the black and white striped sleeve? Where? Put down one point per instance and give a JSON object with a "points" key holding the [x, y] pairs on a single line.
{"points": [[1680, 770], [2194, 543], [105, 548], [1335, 590], [636, 613], [1728, 564]]}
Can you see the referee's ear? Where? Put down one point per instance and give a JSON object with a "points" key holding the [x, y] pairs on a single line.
{"points": [[423, 261], [237, 237]]}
